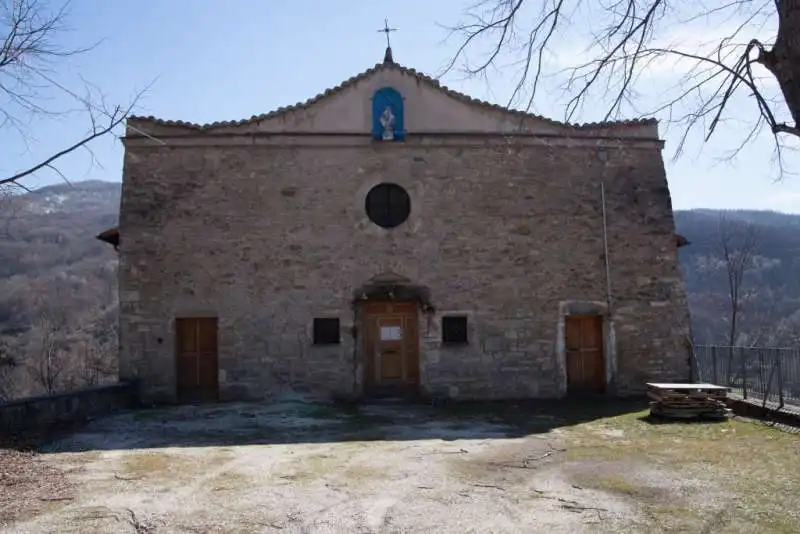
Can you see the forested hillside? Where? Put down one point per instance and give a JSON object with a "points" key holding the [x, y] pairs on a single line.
{"points": [[764, 247], [58, 301], [58, 289]]}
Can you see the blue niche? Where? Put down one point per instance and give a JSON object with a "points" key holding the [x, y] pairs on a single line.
{"points": [[387, 115]]}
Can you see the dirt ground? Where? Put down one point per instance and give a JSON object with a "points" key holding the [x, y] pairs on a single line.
{"points": [[297, 467]]}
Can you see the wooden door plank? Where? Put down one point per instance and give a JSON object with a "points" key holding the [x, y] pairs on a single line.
{"points": [[400, 369], [584, 352], [390, 352], [412, 348], [197, 360], [369, 349], [572, 328]]}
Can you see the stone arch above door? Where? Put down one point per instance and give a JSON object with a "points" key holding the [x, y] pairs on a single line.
{"points": [[389, 286], [389, 277]]}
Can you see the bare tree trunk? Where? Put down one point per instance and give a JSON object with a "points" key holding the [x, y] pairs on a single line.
{"points": [[783, 61], [738, 243], [7, 365], [49, 362]]}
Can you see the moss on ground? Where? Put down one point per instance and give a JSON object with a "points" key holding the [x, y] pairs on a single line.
{"points": [[749, 470]]}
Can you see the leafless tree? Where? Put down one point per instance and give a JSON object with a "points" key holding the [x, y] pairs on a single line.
{"points": [[7, 366], [47, 360], [738, 242], [10, 207], [626, 38], [762, 329], [29, 53], [97, 363]]}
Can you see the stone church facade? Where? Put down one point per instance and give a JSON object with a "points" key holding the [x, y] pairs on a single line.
{"points": [[394, 237]]}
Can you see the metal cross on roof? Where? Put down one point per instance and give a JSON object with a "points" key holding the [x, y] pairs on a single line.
{"points": [[386, 29]]}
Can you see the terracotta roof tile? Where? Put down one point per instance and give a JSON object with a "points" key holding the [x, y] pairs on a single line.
{"points": [[405, 70]]}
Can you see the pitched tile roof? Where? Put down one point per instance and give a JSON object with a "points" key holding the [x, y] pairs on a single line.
{"points": [[391, 65]]}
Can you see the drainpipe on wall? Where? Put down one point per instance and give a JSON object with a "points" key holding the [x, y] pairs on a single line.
{"points": [[602, 155], [605, 245], [354, 334], [611, 341]]}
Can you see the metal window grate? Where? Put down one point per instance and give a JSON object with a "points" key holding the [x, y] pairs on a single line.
{"points": [[454, 329]]}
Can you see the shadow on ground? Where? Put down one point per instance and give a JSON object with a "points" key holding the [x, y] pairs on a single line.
{"points": [[661, 420], [241, 424]]}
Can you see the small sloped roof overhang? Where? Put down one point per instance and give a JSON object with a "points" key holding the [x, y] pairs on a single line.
{"points": [[110, 236]]}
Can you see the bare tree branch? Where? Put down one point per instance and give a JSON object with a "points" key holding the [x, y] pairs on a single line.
{"points": [[738, 243], [628, 39], [117, 117], [29, 58], [47, 362]]}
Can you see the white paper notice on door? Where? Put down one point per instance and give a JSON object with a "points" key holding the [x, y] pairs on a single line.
{"points": [[391, 333]]}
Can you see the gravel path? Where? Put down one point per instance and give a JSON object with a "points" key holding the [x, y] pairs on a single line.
{"points": [[294, 467]]}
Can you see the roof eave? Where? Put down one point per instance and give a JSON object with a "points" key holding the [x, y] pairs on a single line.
{"points": [[388, 65], [110, 236]]}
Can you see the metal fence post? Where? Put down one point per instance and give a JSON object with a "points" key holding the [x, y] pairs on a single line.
{"points": [[770, 368], [767, 388], [779, 363], [744, 373], [759, 385], [714, 363]]}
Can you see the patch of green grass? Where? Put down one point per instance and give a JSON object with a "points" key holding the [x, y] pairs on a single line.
{"points": [[622, 486], [754, 463], [305, 469], [151, 464], [158, 465]]}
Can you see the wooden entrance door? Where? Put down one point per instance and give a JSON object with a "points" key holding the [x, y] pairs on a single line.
{"points": [[585, 362], [196, 359], [391, 345]]}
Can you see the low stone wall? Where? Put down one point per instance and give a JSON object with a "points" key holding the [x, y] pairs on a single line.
{"points": [[41, 413]]}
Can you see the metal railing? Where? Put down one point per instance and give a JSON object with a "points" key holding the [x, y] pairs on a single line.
{"points": [[756, 373]]}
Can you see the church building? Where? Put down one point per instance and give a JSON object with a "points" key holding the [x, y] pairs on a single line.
{"points": [[393, 237]]}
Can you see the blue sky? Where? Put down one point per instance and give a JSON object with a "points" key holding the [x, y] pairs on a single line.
{"points": [[213, 60]]}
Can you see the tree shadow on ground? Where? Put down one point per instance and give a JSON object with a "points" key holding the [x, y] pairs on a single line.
{"points": [[241, 424]]}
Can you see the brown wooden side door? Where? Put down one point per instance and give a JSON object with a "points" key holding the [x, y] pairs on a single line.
{"points": [[391, 345], [196, 359], [585, 361]]}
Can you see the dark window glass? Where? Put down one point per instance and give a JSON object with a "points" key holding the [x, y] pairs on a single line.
{"points": [[454, 329], [326, 331], [388, 205]]}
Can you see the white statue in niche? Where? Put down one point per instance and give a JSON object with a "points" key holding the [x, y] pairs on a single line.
{"points": [[387, 121]]}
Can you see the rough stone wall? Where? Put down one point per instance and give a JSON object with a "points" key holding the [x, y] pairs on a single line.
{"points": [[41, 413], [267, 237]]}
